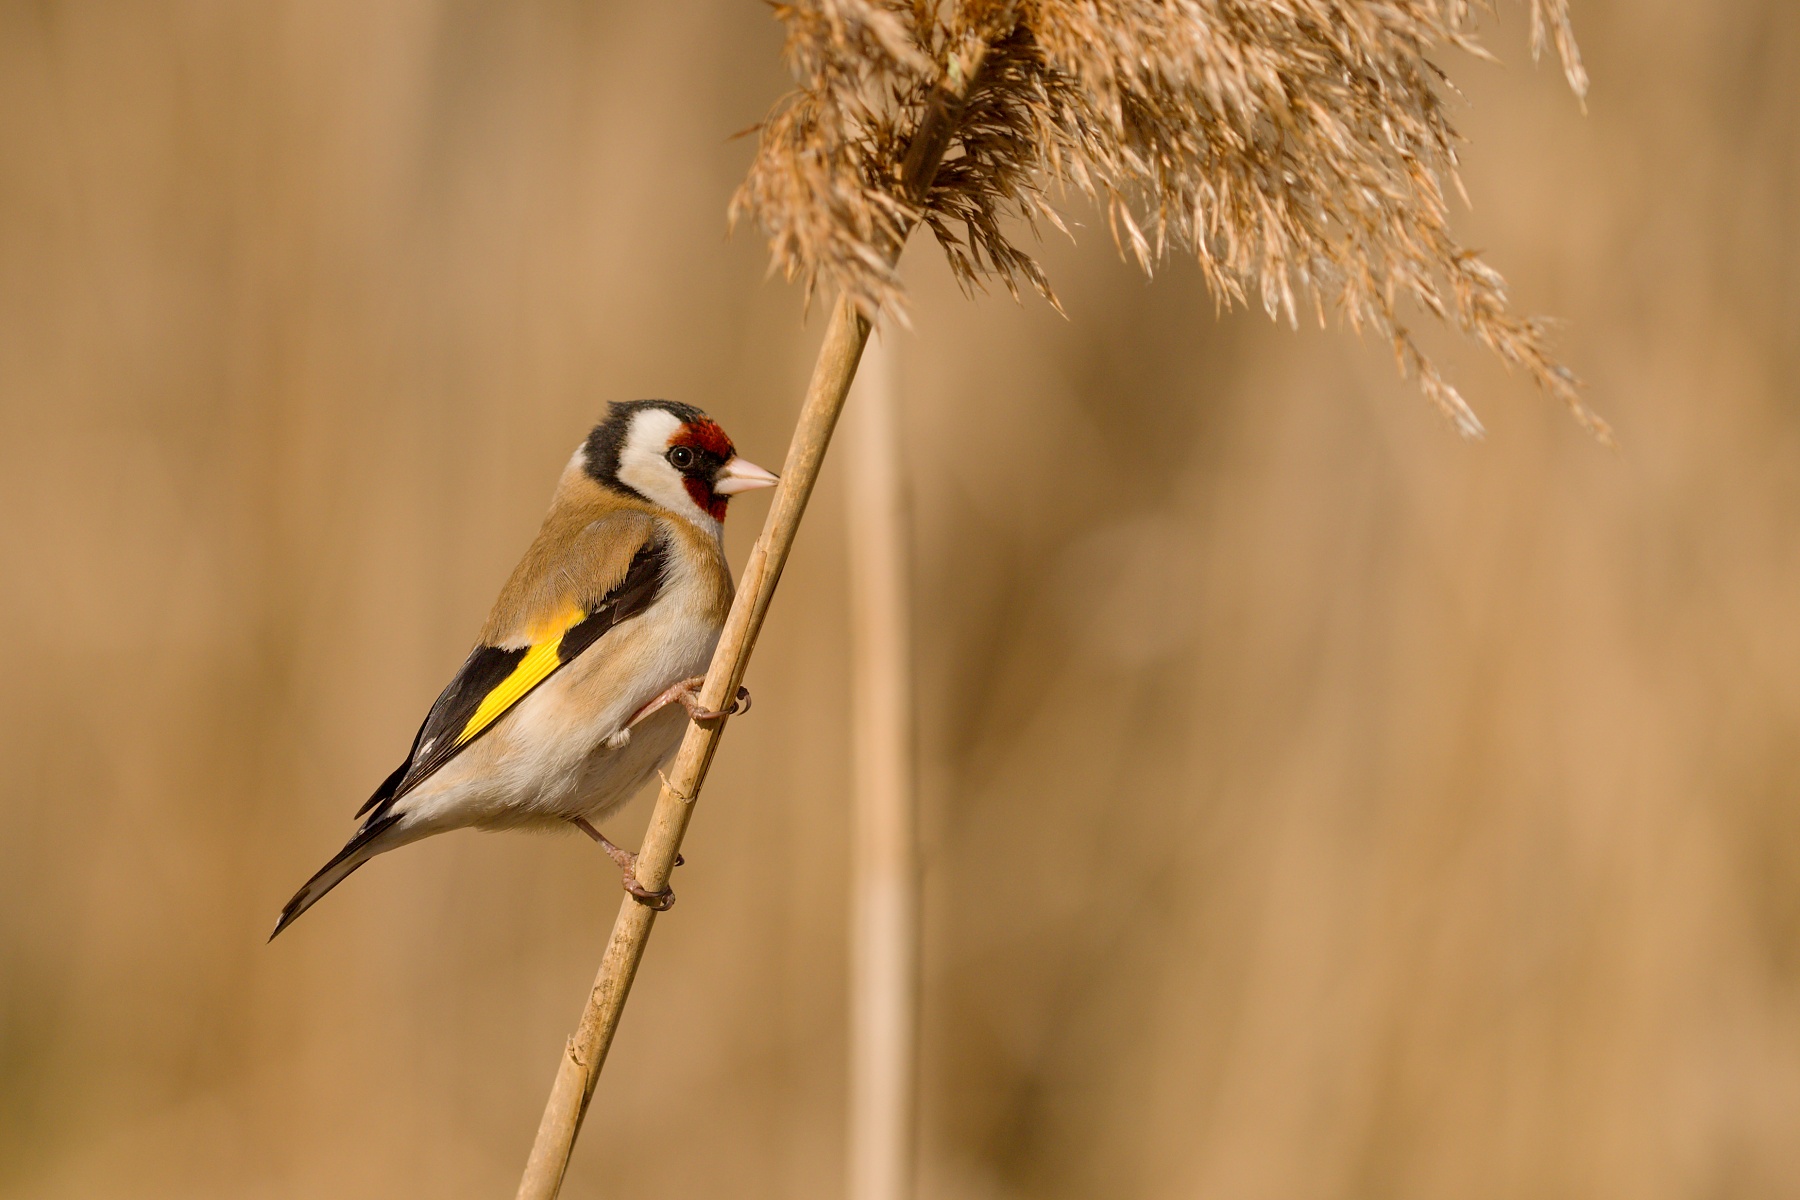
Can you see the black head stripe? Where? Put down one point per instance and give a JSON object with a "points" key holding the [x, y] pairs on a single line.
{"points": [[607, 442]]}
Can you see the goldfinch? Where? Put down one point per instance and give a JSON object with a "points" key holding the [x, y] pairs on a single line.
{"points": [[573, 697]]}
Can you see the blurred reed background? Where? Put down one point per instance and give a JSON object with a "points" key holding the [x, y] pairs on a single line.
{"points": [[1316, 805]]}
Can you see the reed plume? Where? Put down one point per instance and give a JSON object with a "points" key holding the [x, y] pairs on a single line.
{"points": [[1302, 153], [1294, 147]]}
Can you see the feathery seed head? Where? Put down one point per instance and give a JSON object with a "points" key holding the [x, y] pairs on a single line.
{"points": [[1299, 151]]}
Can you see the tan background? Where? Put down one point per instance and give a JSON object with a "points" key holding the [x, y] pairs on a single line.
{"points": [[1318, 806]]}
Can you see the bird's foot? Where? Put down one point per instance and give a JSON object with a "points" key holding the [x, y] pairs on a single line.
{"points": [[687, 694], [739, 704], [660, 901]]}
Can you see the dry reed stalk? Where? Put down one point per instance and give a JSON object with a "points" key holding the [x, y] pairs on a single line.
{"points": [[884, 869], [1295, 149], [845, 335], [586, 1049]]}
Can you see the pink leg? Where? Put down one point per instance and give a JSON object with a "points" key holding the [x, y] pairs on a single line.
{"points": [[687, 694]]}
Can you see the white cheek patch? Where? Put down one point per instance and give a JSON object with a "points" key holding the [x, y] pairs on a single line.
{"points": [[642, 467]]}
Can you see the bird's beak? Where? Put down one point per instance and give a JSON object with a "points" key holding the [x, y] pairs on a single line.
{"points": [[742, 475]]}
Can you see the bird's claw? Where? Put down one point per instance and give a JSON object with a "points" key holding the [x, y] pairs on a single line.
{"points": [[661, 901]]}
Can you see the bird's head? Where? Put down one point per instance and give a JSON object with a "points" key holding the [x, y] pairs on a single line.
{"points": [[672, 455]]}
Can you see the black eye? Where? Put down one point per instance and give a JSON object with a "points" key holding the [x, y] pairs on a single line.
{"points": [[681, 458]]}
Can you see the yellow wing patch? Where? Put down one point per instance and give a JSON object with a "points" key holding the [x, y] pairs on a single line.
{"points": [[532, 670], [557, 624], [538, 664]]}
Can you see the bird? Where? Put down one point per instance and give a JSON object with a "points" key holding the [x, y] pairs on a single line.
{"points": [[590, 663]]}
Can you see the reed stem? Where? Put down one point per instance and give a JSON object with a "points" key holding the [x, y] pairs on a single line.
{"points": [[884, 870], [580, 1067], [845, 335]]}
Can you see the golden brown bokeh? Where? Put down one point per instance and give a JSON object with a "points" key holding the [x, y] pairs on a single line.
{"points": [[1317, 805]]}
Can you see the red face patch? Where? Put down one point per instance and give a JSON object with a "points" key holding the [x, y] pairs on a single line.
{"points": [[703, 435], [705, 497]]}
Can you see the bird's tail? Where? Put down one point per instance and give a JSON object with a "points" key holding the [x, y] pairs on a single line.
{"points": [[358, 851]]}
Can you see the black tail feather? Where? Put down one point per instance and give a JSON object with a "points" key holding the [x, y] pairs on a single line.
{"points": [[340, 868]]}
